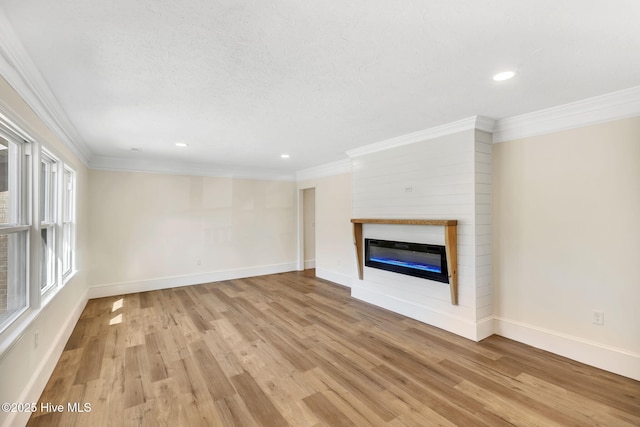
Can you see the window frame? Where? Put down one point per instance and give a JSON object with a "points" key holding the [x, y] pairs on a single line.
{"points": [[68, 222], [18, 186], [48, 214]]}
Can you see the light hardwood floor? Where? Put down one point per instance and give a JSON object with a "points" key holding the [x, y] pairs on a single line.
{"points": [[289, 349]]}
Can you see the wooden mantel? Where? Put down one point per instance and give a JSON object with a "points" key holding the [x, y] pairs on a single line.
{"points": [[450, 244]]}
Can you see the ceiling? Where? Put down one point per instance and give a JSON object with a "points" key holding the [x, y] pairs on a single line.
{"points": [[243, 81]]}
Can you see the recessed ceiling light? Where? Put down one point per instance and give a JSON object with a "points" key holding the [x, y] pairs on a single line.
{"points": [[285, 156], [181, 144], [505, 75]]}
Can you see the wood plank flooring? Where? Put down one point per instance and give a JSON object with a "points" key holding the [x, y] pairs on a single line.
{"points": [[292, 350]]}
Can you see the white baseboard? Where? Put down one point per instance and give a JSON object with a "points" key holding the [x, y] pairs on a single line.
{"points": [[601, 356], [112, 289], [456, 325], [310, 263], [332, 276], [42, 373], [484, 328]]}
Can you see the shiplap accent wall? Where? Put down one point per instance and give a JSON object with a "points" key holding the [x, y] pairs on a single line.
{"points": [[447, 177], [484, 229]]}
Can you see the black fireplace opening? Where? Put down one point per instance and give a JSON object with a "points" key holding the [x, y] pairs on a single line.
{"points": [[413, 259]]}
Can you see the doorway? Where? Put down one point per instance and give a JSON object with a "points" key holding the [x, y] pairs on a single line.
{"points": [[309, 230]]}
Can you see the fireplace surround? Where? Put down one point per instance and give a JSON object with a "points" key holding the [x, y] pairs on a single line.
{"points": [[450, 238]]}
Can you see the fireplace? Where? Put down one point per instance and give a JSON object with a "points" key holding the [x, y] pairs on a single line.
{"points": [[413, 259]]}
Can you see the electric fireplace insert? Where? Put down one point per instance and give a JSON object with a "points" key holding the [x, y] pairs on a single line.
{"points": [[413, 259]]}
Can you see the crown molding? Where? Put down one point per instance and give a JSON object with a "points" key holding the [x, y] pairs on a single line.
{"points": [[329, 169], [590, 111], [183, 168], [485, 124], [20, 72], [12, 123], [475, 122]]}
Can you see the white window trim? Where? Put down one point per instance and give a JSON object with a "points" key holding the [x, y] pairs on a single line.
{"points": [[48, 220], [20, 192], [71, 271]]}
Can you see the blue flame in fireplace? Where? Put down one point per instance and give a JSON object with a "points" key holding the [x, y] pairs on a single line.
{"points": [[408, 264]]}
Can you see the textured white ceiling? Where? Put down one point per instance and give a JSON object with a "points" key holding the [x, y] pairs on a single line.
{"points": [[242, 81]]}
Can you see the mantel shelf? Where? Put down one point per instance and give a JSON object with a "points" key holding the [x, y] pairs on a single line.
{"points": [[405, 221], [450, 238]]}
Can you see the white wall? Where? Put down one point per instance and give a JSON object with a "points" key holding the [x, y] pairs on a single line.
{"points": [[335, 252], [567, 241], [24, 369], [150, 230], [447, 177]]}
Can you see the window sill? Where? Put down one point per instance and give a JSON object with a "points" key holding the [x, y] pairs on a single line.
{"points": [[16, 331], [69, 276]]}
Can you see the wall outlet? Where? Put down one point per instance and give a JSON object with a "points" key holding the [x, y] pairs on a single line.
{"points": [[598, 317], [198, 261], [36, 339]]}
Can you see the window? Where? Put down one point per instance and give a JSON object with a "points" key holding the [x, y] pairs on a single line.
{"points": [[68, 221], [48, 186], [37, 228], [14, 231]]}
